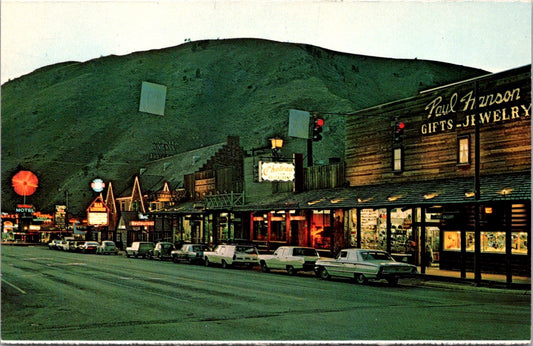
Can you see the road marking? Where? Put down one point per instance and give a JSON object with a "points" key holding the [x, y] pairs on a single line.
{"points": [[15, 287]]}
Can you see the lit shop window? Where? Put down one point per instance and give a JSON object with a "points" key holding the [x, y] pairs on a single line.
{"points": [[519, 243], [463, 154], [260, 227], [493, 242], [452, 241], [397, 162], [278, 227]]}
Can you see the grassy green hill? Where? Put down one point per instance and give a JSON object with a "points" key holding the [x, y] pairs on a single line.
{"points": [[72, 122]]}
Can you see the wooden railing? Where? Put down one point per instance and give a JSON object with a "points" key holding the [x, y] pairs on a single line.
{"points": [[222, 201]]}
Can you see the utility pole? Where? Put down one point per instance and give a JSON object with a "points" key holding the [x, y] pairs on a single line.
{"points": [[477, 194]]}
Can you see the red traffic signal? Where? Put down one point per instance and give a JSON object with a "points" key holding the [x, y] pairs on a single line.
{"points": [[398, 131], [317, 129]]}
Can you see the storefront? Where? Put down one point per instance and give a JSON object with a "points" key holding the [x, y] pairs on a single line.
{"points": [[445, 175]]}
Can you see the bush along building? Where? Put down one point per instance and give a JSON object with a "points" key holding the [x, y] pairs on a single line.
{"points": [[440, 179]]}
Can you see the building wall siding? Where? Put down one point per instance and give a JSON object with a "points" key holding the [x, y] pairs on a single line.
{"points": [[434, 121]]}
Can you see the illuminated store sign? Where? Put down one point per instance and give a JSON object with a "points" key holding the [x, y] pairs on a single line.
{"points": [[97, 219], [98, 213], [135, 223], [497, 107], [276, 171]]}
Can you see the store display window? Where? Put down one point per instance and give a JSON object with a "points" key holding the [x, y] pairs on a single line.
{"points": [[401, 231], [452, 241], [321, 231], [519, 243], [278, 227], [493, 242], [260, 224], [370, 226]]}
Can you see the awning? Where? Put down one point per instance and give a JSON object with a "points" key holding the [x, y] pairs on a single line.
{"points": [[494, 188]]}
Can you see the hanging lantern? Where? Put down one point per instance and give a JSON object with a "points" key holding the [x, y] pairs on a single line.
{"points": [[25, 183]]}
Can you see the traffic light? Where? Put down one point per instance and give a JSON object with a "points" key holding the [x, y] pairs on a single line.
{"points": [[398, 132], [317, 129]]}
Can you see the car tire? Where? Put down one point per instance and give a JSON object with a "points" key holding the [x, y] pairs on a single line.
{"points": [[392, 281], [190, 260], [206, 262], [291, 270], [360, 279], [264, 267], [324, 274], [225, 265], [175, 259]]}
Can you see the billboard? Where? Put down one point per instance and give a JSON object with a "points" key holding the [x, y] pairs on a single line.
{"points": [[153, 98]]}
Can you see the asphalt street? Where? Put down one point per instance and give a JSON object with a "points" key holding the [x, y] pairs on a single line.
{"points": [[55, 295]]}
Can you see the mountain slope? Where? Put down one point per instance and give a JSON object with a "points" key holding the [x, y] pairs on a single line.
{"points": [[72, 122]]}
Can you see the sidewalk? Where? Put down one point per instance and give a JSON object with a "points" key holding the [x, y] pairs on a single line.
{"points": [[435, 277]]}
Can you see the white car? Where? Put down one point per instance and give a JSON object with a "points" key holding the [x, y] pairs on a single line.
{"points": [[363, 265], [290, 258], [229, 255], [191, 253], [107, 247]]}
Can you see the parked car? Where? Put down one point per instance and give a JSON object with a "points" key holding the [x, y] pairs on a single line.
{"points": [[62, 245], [191, 253], [90, 247], [78, 245], [54, 244], [107, 247], [162, 250], [140, 249], [363, 265], [229, 255], [70, 246], [290, 258]]}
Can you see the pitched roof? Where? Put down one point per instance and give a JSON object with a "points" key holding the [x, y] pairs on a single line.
{"points": [[172, 169]]}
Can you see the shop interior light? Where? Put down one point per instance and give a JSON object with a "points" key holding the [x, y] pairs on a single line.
{"points": [[505, 192], [431, 195], [337, 200], [394, 198]]}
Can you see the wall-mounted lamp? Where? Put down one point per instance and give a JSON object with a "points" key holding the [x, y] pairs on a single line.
{"points": [[277, 144]]}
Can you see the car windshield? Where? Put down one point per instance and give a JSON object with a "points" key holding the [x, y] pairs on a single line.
{"points": [[374, 255], [146, 246], [246, 249], [198, 248], [304, 252]]}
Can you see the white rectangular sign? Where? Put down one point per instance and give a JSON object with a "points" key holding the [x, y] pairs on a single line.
{"points": [[299, 123], [97, 219], [153, 98], [276, 171]]}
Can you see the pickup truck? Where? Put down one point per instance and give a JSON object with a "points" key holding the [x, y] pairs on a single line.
{"points": [[363, 265], [140, 248], [229, 255], [290, 258]]}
